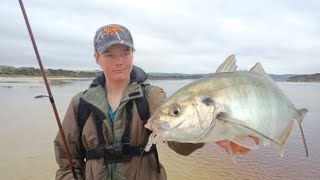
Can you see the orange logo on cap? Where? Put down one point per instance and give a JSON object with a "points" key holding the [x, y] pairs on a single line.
{"points": [[112, 29]]}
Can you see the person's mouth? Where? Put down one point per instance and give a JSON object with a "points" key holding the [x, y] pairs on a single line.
{"points": [[119, 70]]}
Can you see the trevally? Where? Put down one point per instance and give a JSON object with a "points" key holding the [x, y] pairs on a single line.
{"points": [[228, 105]]}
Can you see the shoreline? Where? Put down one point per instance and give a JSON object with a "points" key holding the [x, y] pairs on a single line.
{"points": [[31, 79], [37, 79]]}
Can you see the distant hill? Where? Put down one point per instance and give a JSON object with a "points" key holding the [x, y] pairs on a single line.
{"points": [[305, 78], [280, 78], [9, 71], [174, 76]]}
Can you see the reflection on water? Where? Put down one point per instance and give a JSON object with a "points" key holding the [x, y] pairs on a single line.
{"points": [[31, 82], [6, 87], [28, 129]]}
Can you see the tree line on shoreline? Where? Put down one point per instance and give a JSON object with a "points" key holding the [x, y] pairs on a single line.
{"points": [[9, 71]]}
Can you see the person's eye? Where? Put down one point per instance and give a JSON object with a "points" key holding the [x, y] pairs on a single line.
{"points": [[108, 55], [125, 54]]}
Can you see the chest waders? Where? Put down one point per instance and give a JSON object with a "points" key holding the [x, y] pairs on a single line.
{"points": [[118, 152]]}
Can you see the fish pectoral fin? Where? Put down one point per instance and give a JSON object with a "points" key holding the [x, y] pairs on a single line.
{"points": [[231, 153], [246, 142], [225, 117]]}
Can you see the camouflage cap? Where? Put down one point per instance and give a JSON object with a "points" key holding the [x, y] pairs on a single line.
{"points": [[111, 34]]}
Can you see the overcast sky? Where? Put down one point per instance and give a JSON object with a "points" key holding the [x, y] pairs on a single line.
{"points": [[185, 36]]}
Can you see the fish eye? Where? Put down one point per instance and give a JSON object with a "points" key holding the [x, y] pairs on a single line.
{"points": [[175, 110]]}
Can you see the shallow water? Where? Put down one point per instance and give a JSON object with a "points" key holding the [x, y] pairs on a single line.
{"points": [[29, 127]]}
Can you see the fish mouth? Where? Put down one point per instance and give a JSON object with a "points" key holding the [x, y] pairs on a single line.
{"points": [[159, 130], [153, 126], [156, 138]]}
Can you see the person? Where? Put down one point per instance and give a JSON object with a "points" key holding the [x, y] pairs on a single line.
{"points": [[103, 124]]}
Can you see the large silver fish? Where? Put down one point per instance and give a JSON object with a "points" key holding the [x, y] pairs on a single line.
{"points": [[228, 105]]}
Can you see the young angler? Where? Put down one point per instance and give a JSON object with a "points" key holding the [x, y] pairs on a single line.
{"points": [[104, 124]]}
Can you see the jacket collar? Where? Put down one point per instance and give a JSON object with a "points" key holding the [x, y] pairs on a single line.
{"points": [[137, 75], [95, 94]]}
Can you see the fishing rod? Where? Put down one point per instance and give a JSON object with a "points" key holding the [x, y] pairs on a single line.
{"points": [[48, 90]]}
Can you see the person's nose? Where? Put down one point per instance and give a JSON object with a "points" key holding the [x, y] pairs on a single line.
{"points": [[119, 61]]}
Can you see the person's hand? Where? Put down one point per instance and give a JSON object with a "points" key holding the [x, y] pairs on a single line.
{"points": [[235, 147]]}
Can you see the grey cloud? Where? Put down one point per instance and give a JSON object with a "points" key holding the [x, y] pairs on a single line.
{"points": [[186, 36]]}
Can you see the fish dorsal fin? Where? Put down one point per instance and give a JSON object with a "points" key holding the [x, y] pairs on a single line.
{"points": [[229, 65], [258, 69]]}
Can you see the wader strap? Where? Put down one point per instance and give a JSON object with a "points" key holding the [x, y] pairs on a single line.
{"points": [[126, 134], [99, 131], [84, 111], [102, 152], [86, 108], [156, 155], [143, 106], [82, 116]]}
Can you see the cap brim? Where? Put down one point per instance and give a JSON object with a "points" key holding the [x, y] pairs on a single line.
{"points": [[106, 46]]}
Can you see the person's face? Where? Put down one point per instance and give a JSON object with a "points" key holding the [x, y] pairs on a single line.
{"points": [[116, 62]]}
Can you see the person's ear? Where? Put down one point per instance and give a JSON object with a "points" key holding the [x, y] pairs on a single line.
{"points": [[96, 55]]}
